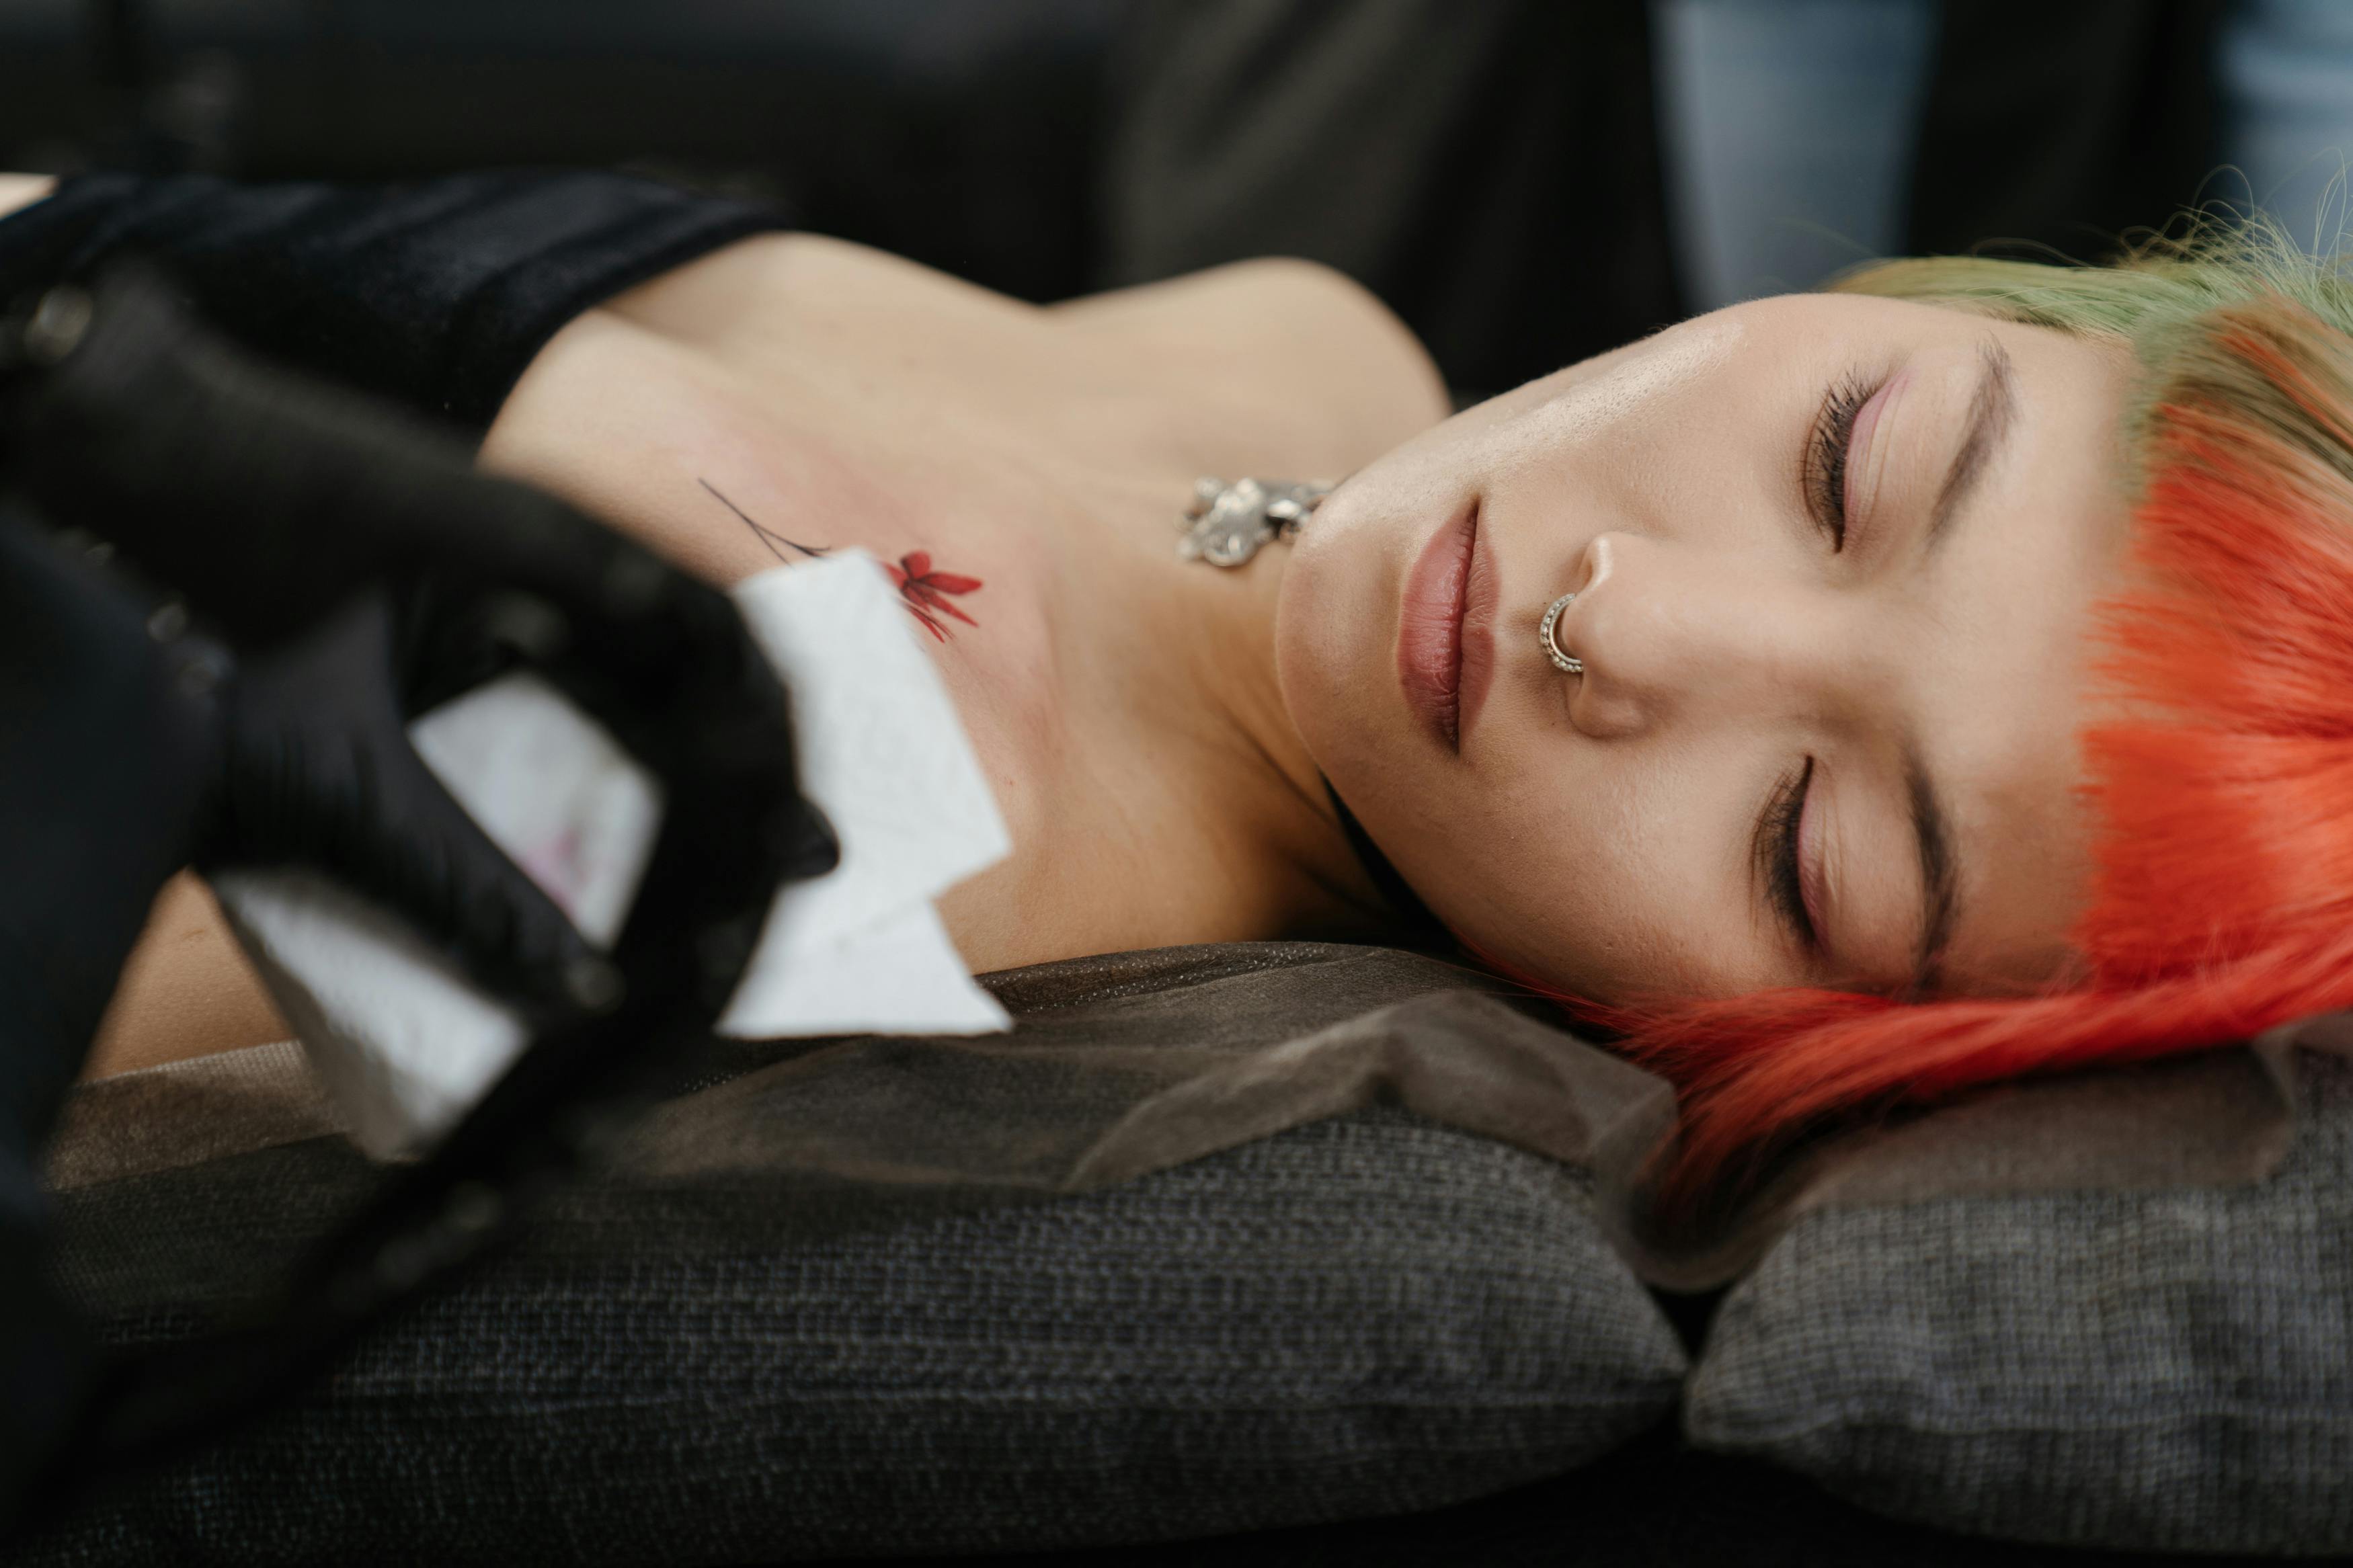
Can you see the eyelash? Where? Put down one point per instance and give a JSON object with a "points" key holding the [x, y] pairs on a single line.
{"points": [[1826, 455], [1783, 814]]}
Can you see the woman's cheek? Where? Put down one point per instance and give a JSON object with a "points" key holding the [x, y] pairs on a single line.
{"points": [[1312, 671]]}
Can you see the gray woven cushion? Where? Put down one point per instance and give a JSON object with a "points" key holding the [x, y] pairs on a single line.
{"points": [[2169, 1370], [1360, 1316]]}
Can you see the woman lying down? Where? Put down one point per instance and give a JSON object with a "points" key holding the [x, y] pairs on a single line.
{"points": [[1845, 696]]}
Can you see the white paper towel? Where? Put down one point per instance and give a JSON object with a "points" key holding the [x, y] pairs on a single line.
{"points": [[884, 754], [405, 1046]]}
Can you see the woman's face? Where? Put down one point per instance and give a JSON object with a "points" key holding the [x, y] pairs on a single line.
{"points": [[1834, 559]]}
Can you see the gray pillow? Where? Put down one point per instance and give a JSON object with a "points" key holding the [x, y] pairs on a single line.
{"points": [[1360, 1316], [2158, 1369]]}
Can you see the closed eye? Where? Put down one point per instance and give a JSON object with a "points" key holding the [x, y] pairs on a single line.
{"points": [[1774, 851], [1823, 469]]}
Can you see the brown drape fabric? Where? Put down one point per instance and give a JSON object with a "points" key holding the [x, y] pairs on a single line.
{"points": [[1131, 1063]]}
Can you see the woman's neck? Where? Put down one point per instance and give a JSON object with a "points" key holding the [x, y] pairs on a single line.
{"points": [[1250, 759]]}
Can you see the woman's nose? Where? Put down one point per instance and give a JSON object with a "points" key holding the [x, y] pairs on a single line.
{"points": [[1662, 629]]}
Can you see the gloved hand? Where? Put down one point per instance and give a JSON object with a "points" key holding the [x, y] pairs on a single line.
{"points": [[315, 769], [345, 570], [364, 570], [131, 745]]}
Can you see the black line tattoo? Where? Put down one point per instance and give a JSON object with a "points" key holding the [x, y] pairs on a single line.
{"points": [[767, 536]]}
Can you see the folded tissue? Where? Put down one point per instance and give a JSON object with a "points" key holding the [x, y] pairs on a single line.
{"points": [[405, 1046]]}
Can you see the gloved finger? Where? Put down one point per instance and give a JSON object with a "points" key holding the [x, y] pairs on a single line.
{"points": [[657, 656], [319, 770]]}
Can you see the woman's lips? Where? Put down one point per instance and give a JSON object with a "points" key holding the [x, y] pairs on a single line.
{"points": [[1445, 649]]}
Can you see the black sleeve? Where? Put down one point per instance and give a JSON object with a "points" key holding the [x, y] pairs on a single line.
{"points": [[436, 294]]}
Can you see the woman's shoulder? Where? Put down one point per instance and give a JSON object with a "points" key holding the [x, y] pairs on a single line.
{"points": [[813, 293], [1279, 323], [1283, 346]]}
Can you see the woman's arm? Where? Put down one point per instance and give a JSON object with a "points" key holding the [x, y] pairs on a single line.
{"points": [[23, 191]]}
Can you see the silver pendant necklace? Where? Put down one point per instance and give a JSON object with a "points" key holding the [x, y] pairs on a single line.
{"points": [[1226, 524]]}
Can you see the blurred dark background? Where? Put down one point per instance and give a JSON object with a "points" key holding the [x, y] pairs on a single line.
{"points": [[1525, 180]]}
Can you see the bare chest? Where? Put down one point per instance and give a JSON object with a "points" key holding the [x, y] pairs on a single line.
{"points": [[1020, 481]]}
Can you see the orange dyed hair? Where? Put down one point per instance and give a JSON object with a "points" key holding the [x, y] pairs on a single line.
{"points": [[2223, 886]]}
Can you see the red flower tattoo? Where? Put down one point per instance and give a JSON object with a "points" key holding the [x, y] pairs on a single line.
{"points": [[924, 591]]}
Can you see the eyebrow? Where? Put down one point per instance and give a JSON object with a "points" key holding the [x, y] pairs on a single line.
{"points": [[1991, 409], [1940, 901]]}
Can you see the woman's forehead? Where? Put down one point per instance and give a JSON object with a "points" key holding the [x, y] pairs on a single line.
{"points": [[2008, 635]]}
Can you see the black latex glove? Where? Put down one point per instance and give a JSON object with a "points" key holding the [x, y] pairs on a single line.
{"points": [[316, 770]]}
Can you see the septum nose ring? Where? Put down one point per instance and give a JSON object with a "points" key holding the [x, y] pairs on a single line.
{"points": [[1566, 663]]}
